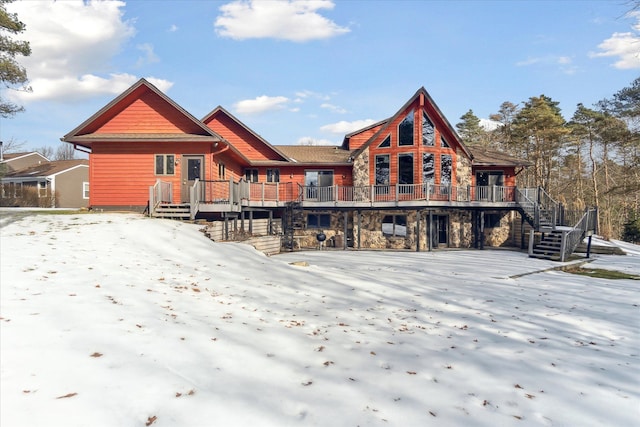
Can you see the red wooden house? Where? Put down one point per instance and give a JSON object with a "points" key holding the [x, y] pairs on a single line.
{"points": [[404, 182]]}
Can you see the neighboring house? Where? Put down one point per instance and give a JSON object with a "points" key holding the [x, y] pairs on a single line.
{"points": [[404, 182], [16, 161], [60, 184]]}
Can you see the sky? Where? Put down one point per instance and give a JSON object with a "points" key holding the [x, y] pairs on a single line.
{"points": [[311, 71], [123, 320]]}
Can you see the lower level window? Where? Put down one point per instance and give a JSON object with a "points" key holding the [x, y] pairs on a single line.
{"points": [[85, 190], [394, 225], [318, 221], [165, 164]]}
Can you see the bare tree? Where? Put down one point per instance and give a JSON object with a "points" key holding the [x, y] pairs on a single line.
{"points": [[65, 152], [46, 151]]}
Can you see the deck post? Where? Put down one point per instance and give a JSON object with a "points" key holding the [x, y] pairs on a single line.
{"points": [[346, 223], [251, 223], [418, 230], [231, 192], [270, 226], [226, 227], [430, 231], [359, 226], [481, 230], [242, 221]]}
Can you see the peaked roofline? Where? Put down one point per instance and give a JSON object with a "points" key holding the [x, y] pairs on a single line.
{"points": [[221, 109], [429, 99], [69, 137], [21, 156]]}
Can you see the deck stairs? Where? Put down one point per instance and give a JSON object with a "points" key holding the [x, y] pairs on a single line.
{"points": [[549, 246], [179, 211], [555, 233]]}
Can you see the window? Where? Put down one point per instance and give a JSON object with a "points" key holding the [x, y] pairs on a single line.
{"points": [[251, 175], [443, 142], [165, 164], [85, 190], [428, 168], [382, 169], [428, 131], [405, 168], [273, 175], [405, 130], [386, 142], [445, 169], [42, 188], [394, 226], [221, 171], [318, 220]]}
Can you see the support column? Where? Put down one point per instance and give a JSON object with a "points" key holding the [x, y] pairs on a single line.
{"points": [[251, 223], [242, 222], [430, 231], [418, 230], [481, 229], [270, 226], [359, 226], [346, 224]]}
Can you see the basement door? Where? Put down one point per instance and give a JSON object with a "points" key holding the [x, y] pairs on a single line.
{"points": [[440, 228], [192, 169]]}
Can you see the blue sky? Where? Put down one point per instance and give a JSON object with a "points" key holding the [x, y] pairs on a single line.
{"points": [[311, 71]]}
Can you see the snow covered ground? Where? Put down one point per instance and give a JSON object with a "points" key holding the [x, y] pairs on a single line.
{"points": [[120, 320]]}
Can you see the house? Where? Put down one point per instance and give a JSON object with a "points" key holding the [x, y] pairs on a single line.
{"points": [[16, 161], [406, 182], [60, 184]]}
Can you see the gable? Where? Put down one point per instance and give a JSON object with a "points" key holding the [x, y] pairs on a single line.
{"points": [[241, 137], [140, 113]]}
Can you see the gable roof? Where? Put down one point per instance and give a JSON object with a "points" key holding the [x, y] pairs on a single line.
{"points": [[428, 100], [345, 141], [85, 134], [47, 169], [317, 154], [8, 157], [490, 157], [219, 110]]}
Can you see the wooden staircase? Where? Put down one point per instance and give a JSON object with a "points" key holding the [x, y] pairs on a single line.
{"points": [[181, 211], [549, 247]]}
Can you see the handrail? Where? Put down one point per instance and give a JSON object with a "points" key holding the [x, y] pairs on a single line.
{"points": [[194, 198], [572, 238], [160, 192]]}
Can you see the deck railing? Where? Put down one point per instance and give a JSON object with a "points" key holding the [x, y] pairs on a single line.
{"points": [[160, 192], [228, 192], [572, 238]]}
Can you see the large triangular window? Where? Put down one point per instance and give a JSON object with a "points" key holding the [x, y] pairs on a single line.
{"points": [[428, 131], [386, 142]]}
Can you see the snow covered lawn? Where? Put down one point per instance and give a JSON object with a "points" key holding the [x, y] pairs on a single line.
{"points": [[120, 320]]}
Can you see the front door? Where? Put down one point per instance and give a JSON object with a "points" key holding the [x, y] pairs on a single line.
{"points": [[192, 169]]}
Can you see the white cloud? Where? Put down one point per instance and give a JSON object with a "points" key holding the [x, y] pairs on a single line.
{"points": [[625, 46], [344, 127], [489, 125], [72, 44], [149, 56], [173, 28], [294, 20], [260, 104], [307, 140], [333, 108]]}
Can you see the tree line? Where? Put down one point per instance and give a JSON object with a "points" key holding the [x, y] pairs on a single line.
{"points": [[591, 160]]}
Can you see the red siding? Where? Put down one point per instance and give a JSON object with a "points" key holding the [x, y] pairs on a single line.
{"points": [[121, 173], [149, 114], [250, 146], [356, 141]]}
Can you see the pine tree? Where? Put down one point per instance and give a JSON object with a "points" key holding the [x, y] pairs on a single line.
{"points": [[12, 74]]}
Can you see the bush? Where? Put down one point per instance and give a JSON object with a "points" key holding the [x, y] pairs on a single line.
{"points": [[631, 231]]}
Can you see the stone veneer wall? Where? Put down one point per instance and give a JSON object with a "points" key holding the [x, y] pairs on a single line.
{"points": [[502, 235], [361, 169], [463, 169]]}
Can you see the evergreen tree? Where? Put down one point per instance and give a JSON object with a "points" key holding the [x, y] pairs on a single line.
{"points": [[12, 74], [470, 130]]}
